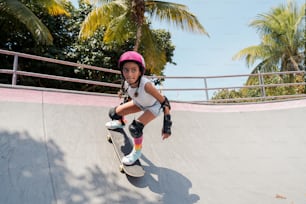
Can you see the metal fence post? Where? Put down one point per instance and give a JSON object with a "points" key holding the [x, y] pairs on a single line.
{"points": [[206, 91], [15, 66], [262, 83]]}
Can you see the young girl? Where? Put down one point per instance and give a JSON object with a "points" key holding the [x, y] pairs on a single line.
{"points": [[144, 97]]}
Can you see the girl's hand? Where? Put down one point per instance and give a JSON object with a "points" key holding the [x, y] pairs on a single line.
{"points": [[165, 136]]}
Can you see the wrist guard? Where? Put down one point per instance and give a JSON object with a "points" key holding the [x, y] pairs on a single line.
{"points": [[167, 124], [166, 103]]}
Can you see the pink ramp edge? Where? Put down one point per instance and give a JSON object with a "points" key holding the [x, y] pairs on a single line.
{"points": [[54, 97], [80, 99], [21, 95], [239, 107]]}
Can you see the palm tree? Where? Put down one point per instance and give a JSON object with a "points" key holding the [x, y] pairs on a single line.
{"points": [[18, 10], [282, 40], [126, 19]]}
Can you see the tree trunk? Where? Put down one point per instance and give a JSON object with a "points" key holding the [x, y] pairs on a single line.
{"points": [[138, 9], [138, 38]]}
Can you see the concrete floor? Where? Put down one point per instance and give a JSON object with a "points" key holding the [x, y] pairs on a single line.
{"points": [[53, 150]]}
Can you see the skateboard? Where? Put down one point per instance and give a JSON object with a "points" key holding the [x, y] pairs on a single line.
{"points": [[123, 146]]}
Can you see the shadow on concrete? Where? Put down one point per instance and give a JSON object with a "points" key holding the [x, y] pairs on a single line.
{"points": [[172, 186], [55, 153], [34, 171]]}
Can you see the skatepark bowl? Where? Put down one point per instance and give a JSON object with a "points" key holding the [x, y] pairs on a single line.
{"points": [[53, 150]]}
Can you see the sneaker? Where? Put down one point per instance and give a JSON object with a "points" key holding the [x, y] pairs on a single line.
{"points": [[114, 124], [131, 158]]}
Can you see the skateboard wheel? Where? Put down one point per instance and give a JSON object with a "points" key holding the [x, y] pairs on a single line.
{"points": [[121, 169], [109, 139]]}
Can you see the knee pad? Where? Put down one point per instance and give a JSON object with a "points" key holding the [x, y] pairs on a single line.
{"points": [[136, 128], [113, 115]]}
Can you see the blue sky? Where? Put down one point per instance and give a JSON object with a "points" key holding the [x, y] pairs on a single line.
{"points": [[226, 21]]}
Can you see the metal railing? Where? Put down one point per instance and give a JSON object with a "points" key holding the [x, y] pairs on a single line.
{"points": [[262, 86], [15, 72], [202, 88]]}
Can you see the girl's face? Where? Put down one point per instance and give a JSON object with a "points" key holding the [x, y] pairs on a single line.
{"points": [[131, 72]]}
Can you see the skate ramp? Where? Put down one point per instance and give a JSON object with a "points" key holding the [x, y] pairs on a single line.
{"points": [[53, 149]]}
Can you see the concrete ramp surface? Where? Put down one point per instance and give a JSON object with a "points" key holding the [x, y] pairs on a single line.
{"points": [[53, 150]]}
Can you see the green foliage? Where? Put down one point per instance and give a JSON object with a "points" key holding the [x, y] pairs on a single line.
{"points": [[227, 94], [270, 91], [129, 20], [282, 34], [67, 46], [282, 48], [22, 11]]}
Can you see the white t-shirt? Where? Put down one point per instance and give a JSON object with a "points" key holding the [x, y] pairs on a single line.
{"points": [[144, 99]]}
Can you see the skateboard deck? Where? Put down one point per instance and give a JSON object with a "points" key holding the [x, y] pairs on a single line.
{"points": [[123, 146]]}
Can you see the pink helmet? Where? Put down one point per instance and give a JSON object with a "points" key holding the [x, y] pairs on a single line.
{"points": [[134, 57]]}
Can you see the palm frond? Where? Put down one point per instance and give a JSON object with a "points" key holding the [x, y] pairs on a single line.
{"points": [[282, 32], [154, 55], [19, 11], [100, 17], [176, 14], [251, 54], [54, 7], [119, 29], [57, 9]]}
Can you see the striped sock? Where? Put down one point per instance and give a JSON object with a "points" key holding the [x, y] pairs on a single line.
{"points": [[138, 144], [136, 152]]}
